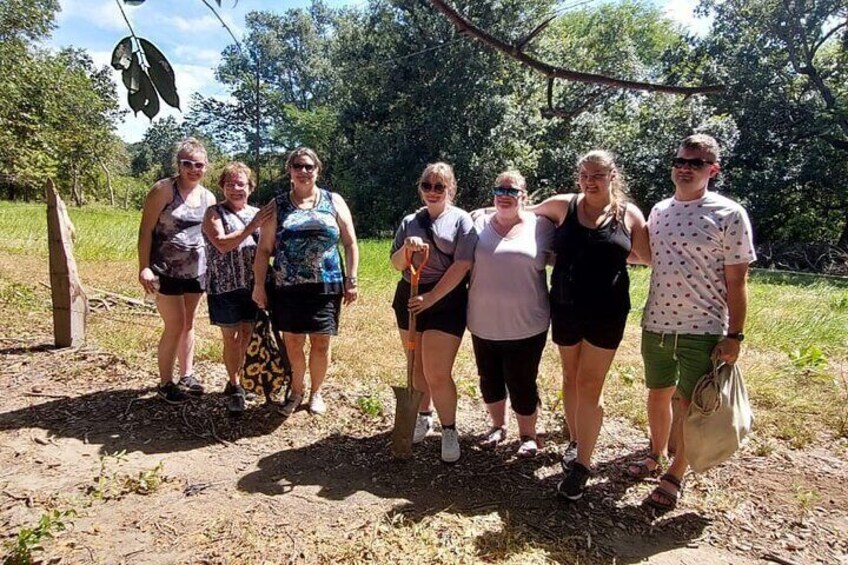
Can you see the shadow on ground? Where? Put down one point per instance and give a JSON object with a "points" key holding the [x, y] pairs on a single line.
{"points": [[598, 528], [136, 420]]}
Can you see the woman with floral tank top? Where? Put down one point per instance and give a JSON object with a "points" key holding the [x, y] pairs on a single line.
{"points": [[310, 281], [231, 228], [172, 264]]}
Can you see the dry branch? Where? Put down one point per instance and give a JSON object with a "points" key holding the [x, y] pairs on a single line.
{"points": [[550, 71]]}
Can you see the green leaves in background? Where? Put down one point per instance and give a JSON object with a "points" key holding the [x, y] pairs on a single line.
{"points": [[146, 74]]}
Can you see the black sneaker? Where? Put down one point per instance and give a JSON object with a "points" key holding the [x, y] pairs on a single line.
{"points": [[191, 385], [236, 401], [171, 394], [569, 456], [574, 484], [231, 389]]}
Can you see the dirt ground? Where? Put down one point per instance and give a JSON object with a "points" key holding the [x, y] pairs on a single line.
{"points": [[260, 489]]}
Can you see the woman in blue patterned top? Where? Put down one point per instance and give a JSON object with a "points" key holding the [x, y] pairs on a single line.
{"points": [[231, 228], [310, 281]]}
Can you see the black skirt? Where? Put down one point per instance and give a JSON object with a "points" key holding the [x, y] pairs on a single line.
{"points": [[305, 312]]}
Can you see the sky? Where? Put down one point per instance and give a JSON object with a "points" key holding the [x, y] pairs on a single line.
{"points": [[192, 38]]}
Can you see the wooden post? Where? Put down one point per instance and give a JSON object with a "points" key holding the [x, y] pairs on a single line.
{"points": [[70, 304]]}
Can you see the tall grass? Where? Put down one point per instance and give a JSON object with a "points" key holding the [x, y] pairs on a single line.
{"points": [[795, 357]]}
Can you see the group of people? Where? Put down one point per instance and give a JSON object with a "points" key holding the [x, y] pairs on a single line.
{"points": [[485, 271], [189, 244]]}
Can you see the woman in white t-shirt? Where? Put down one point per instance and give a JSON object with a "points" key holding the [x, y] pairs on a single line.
{"points": [[508, 312]]}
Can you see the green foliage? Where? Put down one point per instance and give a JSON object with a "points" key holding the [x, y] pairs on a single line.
{"points": [[29, 539], [370, 405], [808, 358]]}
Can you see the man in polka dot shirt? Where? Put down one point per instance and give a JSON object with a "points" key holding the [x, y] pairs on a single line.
{"points": [[701, 246]]}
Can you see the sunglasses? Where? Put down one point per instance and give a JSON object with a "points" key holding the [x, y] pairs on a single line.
{"points": [[696, 164], [189, 164], [303, 167], [507, 191], [438, 188]]}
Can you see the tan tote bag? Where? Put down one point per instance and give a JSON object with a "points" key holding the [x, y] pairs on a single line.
{"points": [[718, 419]]}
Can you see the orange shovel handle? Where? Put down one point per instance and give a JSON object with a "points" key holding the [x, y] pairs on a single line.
{"points": [[415, 276]]}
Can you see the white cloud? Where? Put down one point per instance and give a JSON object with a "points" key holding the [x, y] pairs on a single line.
{"points": [[185, 52], [104, 15], [206, 23], [683, 12]]}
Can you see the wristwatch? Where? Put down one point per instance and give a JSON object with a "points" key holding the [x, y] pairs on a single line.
{"points": [[351, 280], [738, 336]]}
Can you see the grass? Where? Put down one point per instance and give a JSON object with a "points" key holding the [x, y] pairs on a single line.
{"points": [[794, 358]]}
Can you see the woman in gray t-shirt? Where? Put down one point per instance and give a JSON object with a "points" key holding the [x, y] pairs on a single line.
{"points": [[448, 233]]}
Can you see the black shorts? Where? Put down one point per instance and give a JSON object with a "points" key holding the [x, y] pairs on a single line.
{"points": [[231, 308], [568, 329], [447, 315], [305, 312], [170, 286], [510, 365]]}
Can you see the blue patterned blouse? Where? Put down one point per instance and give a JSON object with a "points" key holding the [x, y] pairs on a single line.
{"points": [[306, 257]]}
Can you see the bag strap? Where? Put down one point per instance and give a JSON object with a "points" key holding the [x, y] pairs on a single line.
{"points": [[424, 220]]}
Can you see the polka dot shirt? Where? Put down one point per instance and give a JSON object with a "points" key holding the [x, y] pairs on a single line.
{"points": [[691, 242]]}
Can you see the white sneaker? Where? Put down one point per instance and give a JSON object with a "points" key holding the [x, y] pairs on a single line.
{"points": [[291, 404], [423, 426], [316, 403], [528, 447], [450, 445]]}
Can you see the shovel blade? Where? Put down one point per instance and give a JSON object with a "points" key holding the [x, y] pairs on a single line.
{"points": [[407, 401]]}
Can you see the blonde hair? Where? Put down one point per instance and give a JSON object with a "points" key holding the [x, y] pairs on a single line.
{"points": [[704, 143], [234, 168], [618, 187], [512, 175], [300, 152], [189, 146], [443, 171]]}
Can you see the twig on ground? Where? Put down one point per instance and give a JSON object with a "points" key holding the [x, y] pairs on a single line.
{"points": [[46, 395], [777, 559]]}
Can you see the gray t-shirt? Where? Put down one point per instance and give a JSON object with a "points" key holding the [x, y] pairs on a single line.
{"points": [[508, 294], [453, 239]]}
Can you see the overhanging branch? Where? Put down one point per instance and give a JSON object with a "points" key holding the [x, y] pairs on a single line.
{"points": [[550, 71]]}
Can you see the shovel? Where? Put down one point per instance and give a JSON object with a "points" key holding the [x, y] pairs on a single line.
{"points": [[408, 398]]}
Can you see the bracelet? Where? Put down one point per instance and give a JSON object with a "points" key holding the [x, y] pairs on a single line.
{"points": [[351, 280]]}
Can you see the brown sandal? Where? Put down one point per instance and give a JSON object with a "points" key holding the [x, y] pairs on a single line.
{"points": [[667, 499], [643, 471]]}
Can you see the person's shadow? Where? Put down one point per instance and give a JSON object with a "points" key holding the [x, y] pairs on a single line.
{"points": [[136, 420], [522, 492]]}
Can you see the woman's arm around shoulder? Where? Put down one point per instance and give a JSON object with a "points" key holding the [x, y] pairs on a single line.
{"points": [[554, 208], [264, 251], [640, 252]]}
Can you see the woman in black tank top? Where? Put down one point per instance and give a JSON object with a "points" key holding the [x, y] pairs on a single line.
{"points": [[597, 232]]}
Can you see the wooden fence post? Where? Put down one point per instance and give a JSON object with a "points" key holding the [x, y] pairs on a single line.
{"points": [[70, 304]]}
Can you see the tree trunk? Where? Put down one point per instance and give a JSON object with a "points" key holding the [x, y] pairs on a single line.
{"points": [[843, 239], [70, 304], [75, 188], [108, 182]]}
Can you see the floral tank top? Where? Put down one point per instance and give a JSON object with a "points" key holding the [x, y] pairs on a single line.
{"points": [[307, 257], [227, 272], [178, 249]]}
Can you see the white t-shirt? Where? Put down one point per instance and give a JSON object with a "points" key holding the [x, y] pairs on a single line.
{"points": [[691, 242], [508, 294]]}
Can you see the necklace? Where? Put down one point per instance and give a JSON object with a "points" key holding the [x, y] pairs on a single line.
{"points": [[311, 199], [603, 213]]}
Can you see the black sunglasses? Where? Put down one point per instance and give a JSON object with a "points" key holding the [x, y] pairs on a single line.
{"points": [[697, 164], [438, 188], [507, 191], [304, 166]]}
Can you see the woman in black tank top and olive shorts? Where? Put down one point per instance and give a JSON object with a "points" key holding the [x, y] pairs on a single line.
{"points": [[597, 232]]}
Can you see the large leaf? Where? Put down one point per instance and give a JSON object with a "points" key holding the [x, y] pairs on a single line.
{"points": [[161, 73], [134, 2], [132, 78], [122, 54], [151, 107]]}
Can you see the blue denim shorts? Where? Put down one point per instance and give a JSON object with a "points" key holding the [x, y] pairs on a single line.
{"points": [[231, 308]]}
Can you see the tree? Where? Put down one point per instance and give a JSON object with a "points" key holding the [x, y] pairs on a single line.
{"points": [[785, 65]]}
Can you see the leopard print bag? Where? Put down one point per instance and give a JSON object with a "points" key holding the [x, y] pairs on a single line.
{"points": [[266, 370]]}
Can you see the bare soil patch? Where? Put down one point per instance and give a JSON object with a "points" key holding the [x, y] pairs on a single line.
{"points": [[260, 489]]}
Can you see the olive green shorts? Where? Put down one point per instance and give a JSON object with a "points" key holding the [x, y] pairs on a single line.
{"points": [[677, 359]]}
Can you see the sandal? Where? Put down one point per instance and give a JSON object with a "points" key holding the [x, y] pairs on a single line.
{"points": [[643, 470], [663, 499], [493, 437]]}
